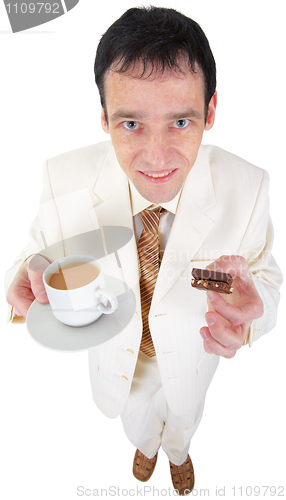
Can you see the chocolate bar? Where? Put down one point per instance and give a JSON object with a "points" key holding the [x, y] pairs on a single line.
{"points": [[216, 281]]}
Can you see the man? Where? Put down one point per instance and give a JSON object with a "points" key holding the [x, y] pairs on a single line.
{"points": [[157, 82]]}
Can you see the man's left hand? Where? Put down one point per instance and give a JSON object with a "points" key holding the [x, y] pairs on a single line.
{"points": [[230, 316]]}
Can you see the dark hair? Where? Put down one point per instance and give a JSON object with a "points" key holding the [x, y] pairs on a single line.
{"points": [[158, 36]]}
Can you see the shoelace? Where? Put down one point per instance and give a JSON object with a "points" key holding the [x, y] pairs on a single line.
{"points": [[146, 461], [182, 471]]}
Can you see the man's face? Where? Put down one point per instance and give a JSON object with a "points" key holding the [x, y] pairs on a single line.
{"points": [[156, 126]]}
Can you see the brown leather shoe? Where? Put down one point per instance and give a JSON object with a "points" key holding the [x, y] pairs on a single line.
{"points": [[143, 467], [183, 477]]}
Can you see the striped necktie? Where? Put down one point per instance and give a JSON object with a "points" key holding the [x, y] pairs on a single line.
{"points": [[148, 253]]}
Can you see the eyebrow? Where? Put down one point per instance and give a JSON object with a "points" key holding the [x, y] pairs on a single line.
{"points": [[190, 112], [134, 115]]}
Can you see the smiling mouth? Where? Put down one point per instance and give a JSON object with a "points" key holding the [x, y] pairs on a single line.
{"points": [[156, 176]]}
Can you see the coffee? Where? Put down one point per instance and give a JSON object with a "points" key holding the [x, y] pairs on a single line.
{"points": [[74, 275], [76, 290]]}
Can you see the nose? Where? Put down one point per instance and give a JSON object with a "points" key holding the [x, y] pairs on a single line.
{"points": [[156, 149]]}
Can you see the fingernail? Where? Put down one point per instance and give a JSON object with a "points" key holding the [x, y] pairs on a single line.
{"points": [[205, 335], [42, 297], [212, 320]]}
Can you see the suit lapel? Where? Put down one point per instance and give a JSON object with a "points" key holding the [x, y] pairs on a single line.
{"points": [[191, 225], [113, 216]]}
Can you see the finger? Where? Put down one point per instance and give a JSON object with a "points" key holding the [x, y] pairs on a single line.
{"points": [[38, 263], [37, 286], [227, 337], [23, 307], [18, 312], [212, 346], [250, 309], [21, 294], [20, 298]]}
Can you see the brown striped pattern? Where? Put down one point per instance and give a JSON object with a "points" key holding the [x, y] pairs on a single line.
{"points": [[148, 253]]}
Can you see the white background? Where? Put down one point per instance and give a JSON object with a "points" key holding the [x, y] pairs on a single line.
{"points": [[53, 438]]}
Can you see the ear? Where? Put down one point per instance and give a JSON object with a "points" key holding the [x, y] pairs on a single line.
{"points": [[104, 122], [211, 112]]}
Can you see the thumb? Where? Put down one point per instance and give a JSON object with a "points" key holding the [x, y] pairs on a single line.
{"points": [[37, 286]]}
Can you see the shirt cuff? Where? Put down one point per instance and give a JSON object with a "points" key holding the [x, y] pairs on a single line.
{"points": [[13, 318]]}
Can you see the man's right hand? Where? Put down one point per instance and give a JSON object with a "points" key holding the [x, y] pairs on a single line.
{"points": [[27, 286]]}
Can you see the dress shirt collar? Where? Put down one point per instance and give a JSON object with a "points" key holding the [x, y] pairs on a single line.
{"points": [[139, 203]]}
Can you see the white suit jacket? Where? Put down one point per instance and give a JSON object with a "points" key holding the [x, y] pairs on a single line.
{"points": [[223, 210]]}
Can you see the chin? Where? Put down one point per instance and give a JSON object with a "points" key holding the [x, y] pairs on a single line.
{"points": [[157, 193], [159, 197]]}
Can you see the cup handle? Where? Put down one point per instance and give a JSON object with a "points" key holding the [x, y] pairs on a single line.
{"points": [[110, 297]]}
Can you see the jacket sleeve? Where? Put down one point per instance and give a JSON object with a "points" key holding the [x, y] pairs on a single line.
{"points": [[256, 249], [44, 230]]}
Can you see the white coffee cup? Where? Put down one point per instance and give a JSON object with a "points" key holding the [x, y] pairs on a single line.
{"points": [[81, 305]]}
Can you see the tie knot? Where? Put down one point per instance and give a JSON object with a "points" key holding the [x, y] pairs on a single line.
{"points": [[151, 219]]}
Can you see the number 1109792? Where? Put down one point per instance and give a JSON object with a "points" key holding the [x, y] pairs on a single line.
{"points": [[33, 8]]}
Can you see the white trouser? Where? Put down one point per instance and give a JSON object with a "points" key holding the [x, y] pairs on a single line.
{"points": [[144, 428]]}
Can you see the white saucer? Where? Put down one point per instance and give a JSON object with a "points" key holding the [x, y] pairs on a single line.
{"points": [[47, 331]]}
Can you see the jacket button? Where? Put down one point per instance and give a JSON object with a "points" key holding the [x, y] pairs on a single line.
{"points": [[129, 351], [124, 378]]}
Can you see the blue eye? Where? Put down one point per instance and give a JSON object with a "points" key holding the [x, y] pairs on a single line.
{"points": [[182, 123], [131, 125]]}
